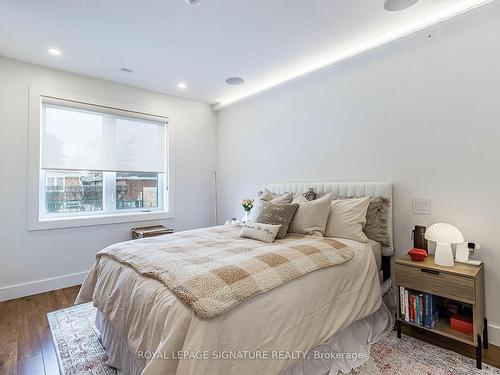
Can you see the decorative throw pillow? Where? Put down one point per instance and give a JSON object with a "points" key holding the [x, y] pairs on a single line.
{"points": [[277, 214], [306, 197], [299, 198], [285, 198], [267, 196], [259, 231], [310, 195], [377, 220], [347, 218], [311, 216], [276, 198]]}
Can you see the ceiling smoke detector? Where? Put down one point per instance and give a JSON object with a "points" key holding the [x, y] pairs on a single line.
{"points": [[194, 2], [398, 5], [235, 81]]}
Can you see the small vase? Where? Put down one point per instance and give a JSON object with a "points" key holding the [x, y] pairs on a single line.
{"points": [[245, 218]]}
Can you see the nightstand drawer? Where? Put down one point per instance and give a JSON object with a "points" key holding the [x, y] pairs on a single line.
{"points": [[436, 282]]}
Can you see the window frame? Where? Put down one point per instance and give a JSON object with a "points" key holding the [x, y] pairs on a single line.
{"points": [[37, 221]]}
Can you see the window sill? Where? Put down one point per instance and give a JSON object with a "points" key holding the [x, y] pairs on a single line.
{"points": [[82, 221]]}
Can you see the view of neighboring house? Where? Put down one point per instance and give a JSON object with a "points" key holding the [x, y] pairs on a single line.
{"points": [[135, 190], [73, 191]]}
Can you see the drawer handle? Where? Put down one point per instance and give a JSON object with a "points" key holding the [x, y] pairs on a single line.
{"points": [[434, 272]]}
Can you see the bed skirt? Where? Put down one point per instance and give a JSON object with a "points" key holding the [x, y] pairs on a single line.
{"points": [[120, 355], [350, 347], [354, 342]]}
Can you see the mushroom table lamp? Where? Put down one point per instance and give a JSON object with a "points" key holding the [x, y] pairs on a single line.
{"points": [[444, 235]]}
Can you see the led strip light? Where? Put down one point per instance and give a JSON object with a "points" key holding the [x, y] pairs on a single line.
{"points": [[358, 49]]}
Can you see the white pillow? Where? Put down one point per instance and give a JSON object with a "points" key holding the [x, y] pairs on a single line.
{"points": [[311, 216], [347, 219], [259, 231]]}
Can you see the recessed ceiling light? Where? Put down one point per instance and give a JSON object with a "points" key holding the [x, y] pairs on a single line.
{"points": [[54, 51], [194, 2], [235, 81], [398, 5], [182, 85], [126, 70]]}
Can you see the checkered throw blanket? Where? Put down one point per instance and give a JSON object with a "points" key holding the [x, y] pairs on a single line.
{"points": [[213, 269]]}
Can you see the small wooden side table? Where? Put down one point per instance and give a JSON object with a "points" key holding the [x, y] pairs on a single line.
{"points": [[150, 231], [463, 283]]}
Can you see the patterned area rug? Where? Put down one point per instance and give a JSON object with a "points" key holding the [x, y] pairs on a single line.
{"points": [[393, 356], [77, 341], [80, 352]]}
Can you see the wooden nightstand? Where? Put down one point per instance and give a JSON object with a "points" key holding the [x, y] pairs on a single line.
{"points": [[463, 283]]}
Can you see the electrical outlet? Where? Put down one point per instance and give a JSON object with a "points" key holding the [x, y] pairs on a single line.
{"points": [[421, 206]]}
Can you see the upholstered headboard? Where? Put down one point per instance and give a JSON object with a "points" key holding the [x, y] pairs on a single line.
{"points": [[341, 190]]}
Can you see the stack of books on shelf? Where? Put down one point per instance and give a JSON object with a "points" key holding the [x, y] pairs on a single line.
{"points": [[418, 308]]}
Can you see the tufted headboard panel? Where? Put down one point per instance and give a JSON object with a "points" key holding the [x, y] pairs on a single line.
{"points": [[343, 190]]}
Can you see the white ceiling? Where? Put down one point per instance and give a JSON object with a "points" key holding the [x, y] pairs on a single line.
{"points": [[166, 41]]}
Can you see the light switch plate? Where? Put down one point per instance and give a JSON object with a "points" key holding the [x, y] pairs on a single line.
{"points": [[421, 206]]}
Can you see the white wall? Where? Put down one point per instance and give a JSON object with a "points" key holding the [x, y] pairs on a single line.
{"points": [[52, 255], [423, 113]]}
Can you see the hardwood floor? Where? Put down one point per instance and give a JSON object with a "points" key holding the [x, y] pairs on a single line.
{"points": [[25, 343], [26, 346]]}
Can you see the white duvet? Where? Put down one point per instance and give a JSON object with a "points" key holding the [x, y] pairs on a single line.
{"points": [[148, 331]]}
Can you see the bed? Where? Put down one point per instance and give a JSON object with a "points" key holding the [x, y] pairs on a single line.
{"points": [[383, 254], [148, 330]]}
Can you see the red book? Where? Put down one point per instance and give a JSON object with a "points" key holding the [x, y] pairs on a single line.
{"points": [[411, 303], [415, 308]]}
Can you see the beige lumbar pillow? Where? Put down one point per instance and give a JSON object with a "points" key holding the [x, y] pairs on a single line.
{"points": [[259, 231], [311, 216], [347, 219]]}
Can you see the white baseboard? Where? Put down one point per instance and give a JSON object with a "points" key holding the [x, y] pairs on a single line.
{"points": [[494, 335], [41, 286]]}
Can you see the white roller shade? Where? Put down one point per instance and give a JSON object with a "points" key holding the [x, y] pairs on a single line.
{"points": [[76, 138]]}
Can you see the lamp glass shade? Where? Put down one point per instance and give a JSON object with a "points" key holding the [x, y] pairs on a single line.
{"points": [[444, 235]]}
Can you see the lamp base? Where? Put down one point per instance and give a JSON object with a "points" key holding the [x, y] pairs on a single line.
{"points": [[444, 255]]}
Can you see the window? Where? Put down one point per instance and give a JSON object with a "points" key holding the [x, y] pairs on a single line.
{"points": [[72, 192], [100, 162], [136, 190]]}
